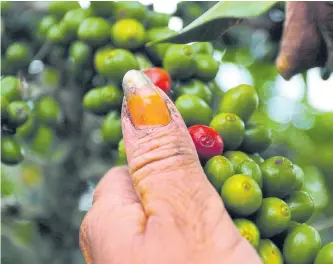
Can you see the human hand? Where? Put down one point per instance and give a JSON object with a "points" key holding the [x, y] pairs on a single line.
{"points": [[307, 40], [161, 208]]}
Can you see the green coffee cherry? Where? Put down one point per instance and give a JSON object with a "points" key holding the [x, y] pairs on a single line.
{"points": [[231, 128], [59, 8], [241, 194], [157, 19], [28, 129], [111, 129], [73, 18], [189, 10], [43, 139], [179, 61], [236, 157], [11, 88], [302, 245], [273, 217], [102, 99], [242, 100], [45, 24], [11, 152], [257, 158], [129, 9], [188, 104], [301, 206], [94, 30], [195, 87], [128, 34], [19, 54], [121, 149], [257, 138], [47, 111], [114, 64], [218, 169], [269, 252], [50, 77], [206, 67], [203, 48], [57, 34], [252, 169], [7, 184], [100, 57], [81, 53], [325, 255], [4, 107], [157, 52], [121, 159], [18, 113], [278, 176], [248, 230]]}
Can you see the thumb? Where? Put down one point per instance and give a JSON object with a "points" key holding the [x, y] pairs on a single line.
{"points": [[162, 158]]}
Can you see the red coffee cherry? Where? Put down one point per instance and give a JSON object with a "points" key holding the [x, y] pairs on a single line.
{"points": [[160, 78], [207, 141]]}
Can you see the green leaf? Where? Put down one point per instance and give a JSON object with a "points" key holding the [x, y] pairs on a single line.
{"points": [[216, 21]]}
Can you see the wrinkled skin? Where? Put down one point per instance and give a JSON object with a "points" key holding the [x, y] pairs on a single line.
{"points": [[161, 208], [307, 39]]}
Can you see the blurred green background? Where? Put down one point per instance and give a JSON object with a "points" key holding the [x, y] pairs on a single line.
{"points": [[44, 199]]}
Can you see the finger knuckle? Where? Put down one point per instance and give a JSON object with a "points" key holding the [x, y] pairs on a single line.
{"points": [[159, 148]]}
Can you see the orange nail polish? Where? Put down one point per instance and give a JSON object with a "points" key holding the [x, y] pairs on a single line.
{"points": [[282, 63], [145, 105]]}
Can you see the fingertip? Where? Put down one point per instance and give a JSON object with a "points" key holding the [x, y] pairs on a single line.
{"points": [[283, 66]]}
